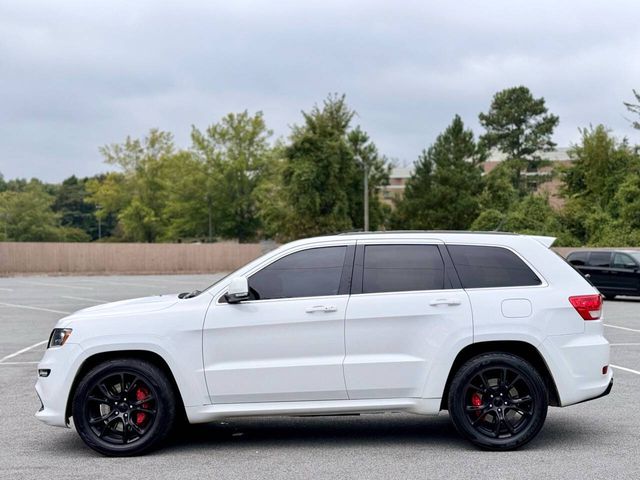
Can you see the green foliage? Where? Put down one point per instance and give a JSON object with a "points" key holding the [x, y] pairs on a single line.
{"points": [[319, 181], [26, 216], [520, 126], [136, 196], [76, 213], [443, 191], [600, 188], [531, 215], [498, 192], [232, 157]]}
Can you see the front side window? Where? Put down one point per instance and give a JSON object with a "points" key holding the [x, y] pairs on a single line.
{"points": [[402, 268], [309, 273], [622, 260], [486, 267]]}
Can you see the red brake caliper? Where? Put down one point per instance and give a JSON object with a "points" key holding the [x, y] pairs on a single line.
{"points": [[141, 394], [476, 401]]}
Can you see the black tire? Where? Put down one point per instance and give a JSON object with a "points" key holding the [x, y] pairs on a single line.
{"points": [[116, 425], [495, 386]]}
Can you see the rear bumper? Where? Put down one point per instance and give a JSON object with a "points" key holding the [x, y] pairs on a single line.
{"points": [[576, 363]]}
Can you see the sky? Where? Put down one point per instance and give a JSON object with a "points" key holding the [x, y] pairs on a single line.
{"points": [[76, 75]]}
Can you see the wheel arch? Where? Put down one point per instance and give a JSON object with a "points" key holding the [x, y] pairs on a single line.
{"points": [[146, 355], [520, 349]]}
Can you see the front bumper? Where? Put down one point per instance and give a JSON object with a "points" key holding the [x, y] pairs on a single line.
{"points": [[53, 390]]}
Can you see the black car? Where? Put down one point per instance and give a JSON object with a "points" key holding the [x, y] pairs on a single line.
{"points": [[613, 272]]}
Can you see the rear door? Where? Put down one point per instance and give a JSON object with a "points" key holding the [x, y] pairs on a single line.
{"points": [[404, 311]]}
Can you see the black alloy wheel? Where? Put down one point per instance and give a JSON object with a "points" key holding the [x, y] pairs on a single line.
{"points": [[124, 407], [498, 401]]}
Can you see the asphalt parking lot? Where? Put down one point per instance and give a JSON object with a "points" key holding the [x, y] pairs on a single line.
{"points": [[598, 439]]}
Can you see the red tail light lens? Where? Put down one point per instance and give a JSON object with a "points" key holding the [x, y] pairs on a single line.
{"points": [[588, 306]]}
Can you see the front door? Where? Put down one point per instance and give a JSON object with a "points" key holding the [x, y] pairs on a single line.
{"points": [[287, 342], [624, 274], [403, 312]]}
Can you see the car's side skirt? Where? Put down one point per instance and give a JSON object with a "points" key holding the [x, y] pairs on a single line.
{"points": [[209, 413]]}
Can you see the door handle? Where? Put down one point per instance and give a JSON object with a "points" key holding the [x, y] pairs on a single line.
{"points": [[445, 301], [321, 308]]}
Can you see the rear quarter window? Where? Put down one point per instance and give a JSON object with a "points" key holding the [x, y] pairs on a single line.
{"points": [[486, 267], [578, 258]]}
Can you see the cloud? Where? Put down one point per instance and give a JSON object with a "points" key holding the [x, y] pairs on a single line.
{"points": [[77, 75]]}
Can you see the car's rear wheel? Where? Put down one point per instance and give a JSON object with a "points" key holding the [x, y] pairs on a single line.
{"points": [[124, 407], [498, 401]]}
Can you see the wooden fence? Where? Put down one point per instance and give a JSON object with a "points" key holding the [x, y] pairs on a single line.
{"points": [[18, 258]]}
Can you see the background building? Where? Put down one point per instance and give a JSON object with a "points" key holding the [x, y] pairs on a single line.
{"points": [[399, 176]]}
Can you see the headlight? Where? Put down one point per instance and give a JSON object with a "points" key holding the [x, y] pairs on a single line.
{"points": [[58, 337]]}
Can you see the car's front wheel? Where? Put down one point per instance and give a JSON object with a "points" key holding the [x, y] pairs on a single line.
{"points": [[498, 401], [124, 407]]}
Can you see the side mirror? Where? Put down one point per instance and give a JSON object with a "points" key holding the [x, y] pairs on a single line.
{"points": [[238, 290]]}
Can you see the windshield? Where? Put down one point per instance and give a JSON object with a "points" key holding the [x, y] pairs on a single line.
{"points": [[635, 256]]}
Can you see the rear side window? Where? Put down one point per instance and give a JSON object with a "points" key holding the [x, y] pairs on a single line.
{"points": [[485, 267], [309, 273], [578, 258], [599, 259], [402, 268]]}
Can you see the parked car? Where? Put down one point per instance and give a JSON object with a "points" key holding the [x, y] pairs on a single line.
{"points": [[493, 328], [612, 272]]}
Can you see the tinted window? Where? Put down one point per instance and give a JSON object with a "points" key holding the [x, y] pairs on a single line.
{"points": [[401, 268], [622, 260], [578, 258], [599, 259], [483, 267], [310, 273]]}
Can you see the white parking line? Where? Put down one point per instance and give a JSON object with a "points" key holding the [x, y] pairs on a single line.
{"points": [[6, 289], [20, 352], [625, 344], [626, 369], [622, 328], [59, 285], [131, 284], [95, 300], [42, 309]]}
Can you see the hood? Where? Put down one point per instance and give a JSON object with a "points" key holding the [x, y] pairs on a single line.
{"points": [[132, 306]]}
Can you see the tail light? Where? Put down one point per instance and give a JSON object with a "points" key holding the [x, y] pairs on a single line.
{"points": [[588, 306]]}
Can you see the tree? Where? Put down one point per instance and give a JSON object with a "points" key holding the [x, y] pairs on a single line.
{"points": [[520, 126], [318, 182], [498, 192], [600, 163], [443, 191], [232, 155], [26, 216], [70, 203], [634, 108], [598, 187], [137, 195], [531, 215]]}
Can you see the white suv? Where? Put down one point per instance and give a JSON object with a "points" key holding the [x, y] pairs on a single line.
{"points": [[491, 327]]}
